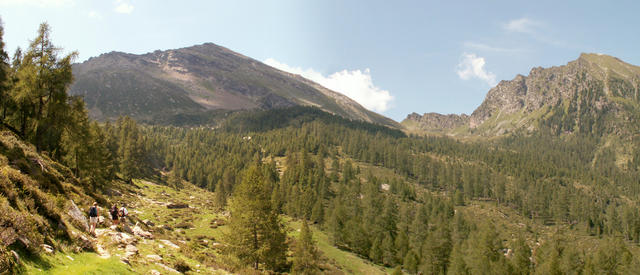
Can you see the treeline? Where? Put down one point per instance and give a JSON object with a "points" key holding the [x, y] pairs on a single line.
{"points": [[549, 180], [35, 106]]}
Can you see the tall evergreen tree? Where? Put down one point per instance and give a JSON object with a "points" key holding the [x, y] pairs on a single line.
{"points": [[305, 257], [256, 234]]}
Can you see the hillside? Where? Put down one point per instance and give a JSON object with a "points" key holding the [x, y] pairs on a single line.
{"points": [[596, 94], [193, 80], [42, 205]]}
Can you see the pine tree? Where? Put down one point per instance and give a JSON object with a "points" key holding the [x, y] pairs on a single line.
{"points": [[256, 234], [305, 258]]}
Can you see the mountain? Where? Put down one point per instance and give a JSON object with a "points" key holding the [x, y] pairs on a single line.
{"points": [[596, 95], [434, 122], [197, 80]]}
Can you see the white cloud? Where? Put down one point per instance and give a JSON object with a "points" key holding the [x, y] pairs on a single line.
{"points": [[123, 6], [94, 15], [472, 66], [357, 85], [38, 3], [523, 25]]}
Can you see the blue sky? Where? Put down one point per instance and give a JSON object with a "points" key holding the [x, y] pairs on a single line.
{"points": [[394, 57]]}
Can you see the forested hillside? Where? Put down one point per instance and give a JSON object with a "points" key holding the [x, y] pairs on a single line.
{"points": [[534, 203]]}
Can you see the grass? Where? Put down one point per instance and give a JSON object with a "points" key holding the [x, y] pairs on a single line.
{"points": [[346, 261], [83, 263]]}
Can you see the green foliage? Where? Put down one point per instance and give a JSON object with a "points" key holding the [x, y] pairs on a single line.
{"points": [[256, 235], [305, 257]]}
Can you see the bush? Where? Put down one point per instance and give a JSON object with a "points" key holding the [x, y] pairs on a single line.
{"points": [[181, 266]]}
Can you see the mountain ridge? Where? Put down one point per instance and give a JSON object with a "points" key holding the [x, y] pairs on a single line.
{"points": [[566, 98], [197, 79]]}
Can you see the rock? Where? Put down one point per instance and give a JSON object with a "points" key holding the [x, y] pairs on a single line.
{"points": [[130, 250], [85, 243], [125, 261], [170, 244], [16, 257], [168, 268], [177, 205], [47, 248], [70, 258], [155, 258], [126, 228], [140, 232], [148, 223], [77, 216], [165, 227], [123, 238], [154, 272]]}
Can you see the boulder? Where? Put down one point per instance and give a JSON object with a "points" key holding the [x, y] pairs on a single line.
{"points": [[154, 258], [47, 248], [177, 205], [154, 272], [140, 232], [77, 216], [148, 223], [130, 250], [16, 257], [170, 244]]}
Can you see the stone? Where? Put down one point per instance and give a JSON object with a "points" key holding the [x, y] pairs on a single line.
{"points": [[154, 272], [154, 258], [142, 233], [148, 223], [47, 248], [170, 244], [16, 257], [77, 216], [177, 205], [168, 268]]}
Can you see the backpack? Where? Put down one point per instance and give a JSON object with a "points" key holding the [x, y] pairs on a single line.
{"points": [[123, 212], [93, 211]]}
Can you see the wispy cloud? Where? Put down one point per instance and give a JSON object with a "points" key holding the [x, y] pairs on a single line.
{"points": [[472, 66], [38, 3], [357, 85], [523, 25], [490, 48], [123, 6]]}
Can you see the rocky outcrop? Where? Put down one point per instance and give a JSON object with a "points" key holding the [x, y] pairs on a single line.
{"points": [[77, 216], [433, 122], [595, 94], [585, 86]]}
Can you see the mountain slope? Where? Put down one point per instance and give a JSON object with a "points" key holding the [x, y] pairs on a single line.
{"points": [[197, 79], [595, 94]]}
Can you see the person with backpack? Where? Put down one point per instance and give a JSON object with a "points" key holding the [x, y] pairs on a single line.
{"points": [[114, 214], [123, 213], [93, 218]]}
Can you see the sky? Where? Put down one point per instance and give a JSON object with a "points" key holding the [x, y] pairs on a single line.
{"points": [[393, 57]]}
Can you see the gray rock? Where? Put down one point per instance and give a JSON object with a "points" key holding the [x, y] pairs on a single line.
{"points": [[16, 257], [77, 216], [155, 258], [140, 232], [47, 248]]}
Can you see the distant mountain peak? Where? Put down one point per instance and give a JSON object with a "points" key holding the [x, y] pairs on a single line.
{"points": [[595, 93], [197, 79]]}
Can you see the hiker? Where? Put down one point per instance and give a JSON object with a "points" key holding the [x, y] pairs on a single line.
{"points": [[123, 213], [93, 218], [114, 214]]}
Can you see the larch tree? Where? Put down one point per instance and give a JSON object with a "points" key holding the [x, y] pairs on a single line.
{"points": [[256, 235]]}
